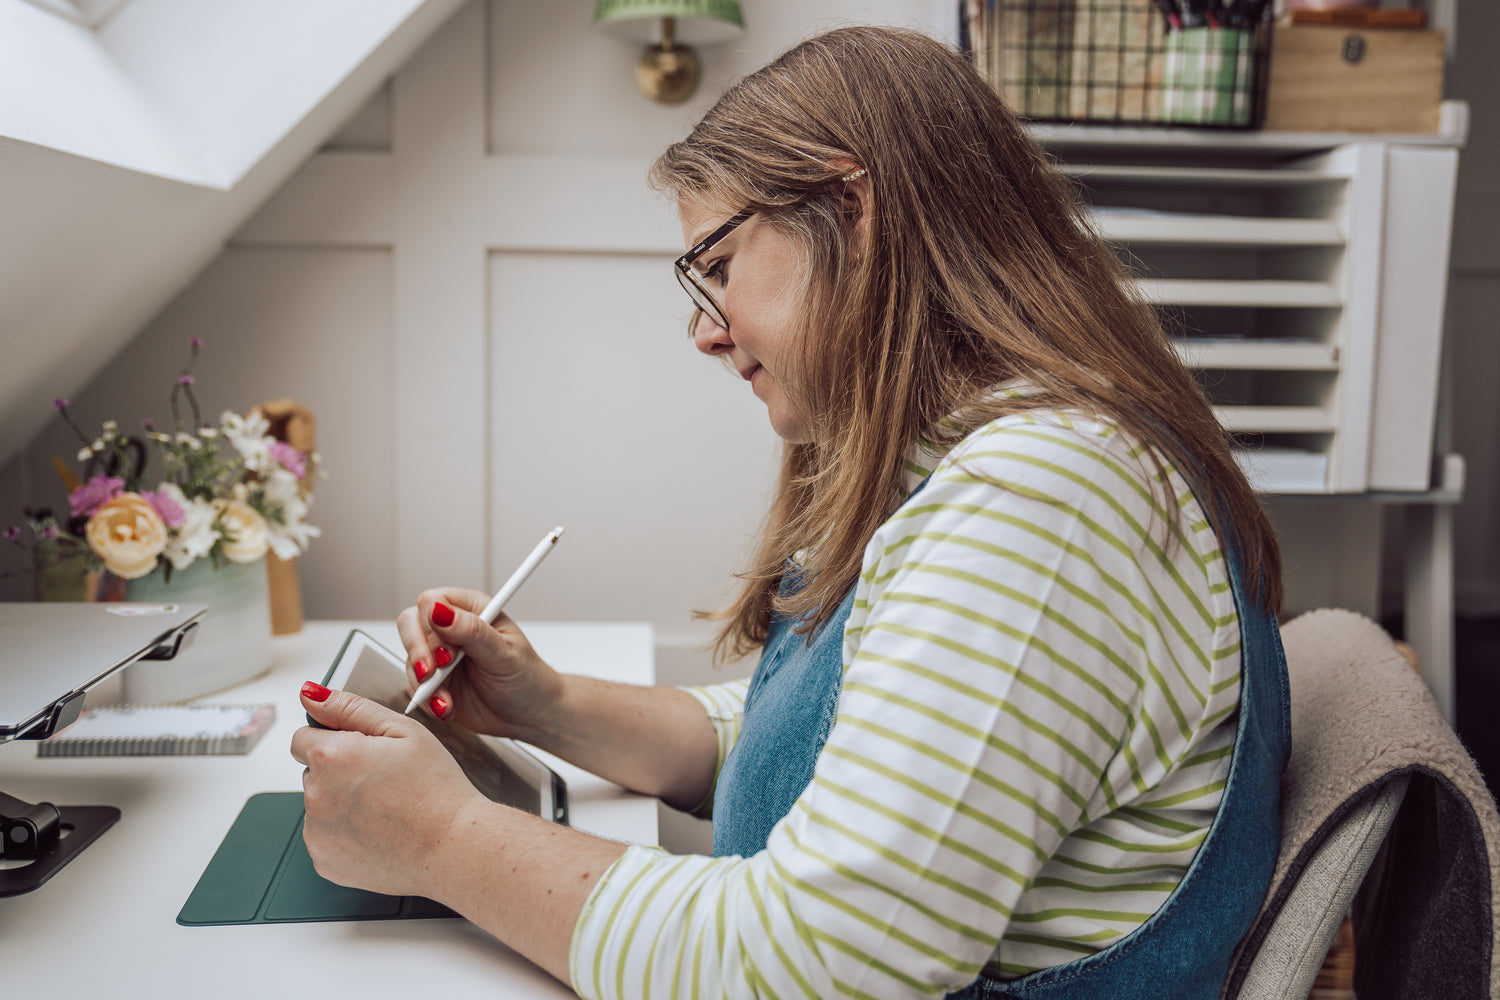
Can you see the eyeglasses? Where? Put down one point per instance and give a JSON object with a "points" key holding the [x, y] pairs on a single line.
{"points": [[695, 283]]}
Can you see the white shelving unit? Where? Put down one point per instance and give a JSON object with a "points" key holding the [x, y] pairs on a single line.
{"points": [[1303, 277]]}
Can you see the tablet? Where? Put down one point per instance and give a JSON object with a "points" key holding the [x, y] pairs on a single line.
{"points": [[262, 873], [503, 770]]}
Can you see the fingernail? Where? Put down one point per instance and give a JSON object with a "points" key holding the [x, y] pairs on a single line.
{"points": [[441, 657], [442, 615], [439, 705], [313, 691], [422, 670]]}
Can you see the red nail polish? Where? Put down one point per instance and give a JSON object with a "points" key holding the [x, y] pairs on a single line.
{"points": [[441, 657], [442, 615], [313, 691], [439, 705], [422, 670]]}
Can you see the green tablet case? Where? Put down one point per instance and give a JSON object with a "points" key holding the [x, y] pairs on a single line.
{"points": [[261, 873]]}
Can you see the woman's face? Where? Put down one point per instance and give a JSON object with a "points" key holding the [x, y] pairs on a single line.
{"points": [[757, 275]]}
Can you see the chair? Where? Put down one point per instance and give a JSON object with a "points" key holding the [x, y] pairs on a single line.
{"points": [[1383, 809]]}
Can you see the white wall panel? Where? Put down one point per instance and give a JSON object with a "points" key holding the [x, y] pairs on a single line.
{"points": [[607, 421], [437, 305], [1330, 553]]}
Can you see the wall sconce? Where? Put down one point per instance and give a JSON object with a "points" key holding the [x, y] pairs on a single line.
{"points": [[668, 69]]}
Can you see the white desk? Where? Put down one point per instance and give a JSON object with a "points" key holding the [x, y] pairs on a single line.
{"points": [[105, 925]]}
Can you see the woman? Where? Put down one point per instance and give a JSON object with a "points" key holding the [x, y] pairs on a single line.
{"points": [[1001, 643]]}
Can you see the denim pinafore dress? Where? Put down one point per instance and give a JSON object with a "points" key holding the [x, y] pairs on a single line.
{"points": [[1184, 950]]}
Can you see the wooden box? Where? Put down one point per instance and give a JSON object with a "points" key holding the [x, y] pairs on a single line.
{"points": [[1332, 78]]}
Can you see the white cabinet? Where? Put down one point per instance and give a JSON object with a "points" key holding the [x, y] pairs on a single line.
{"points": [[1302, 278]]}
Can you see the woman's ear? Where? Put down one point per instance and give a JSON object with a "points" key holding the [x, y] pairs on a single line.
{"points": [[855, 181]]}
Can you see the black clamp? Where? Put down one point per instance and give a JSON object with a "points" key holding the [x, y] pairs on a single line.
{"points": [[28, 830]]}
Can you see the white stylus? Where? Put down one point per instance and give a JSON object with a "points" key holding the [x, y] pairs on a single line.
{"points": [[491, 611]]}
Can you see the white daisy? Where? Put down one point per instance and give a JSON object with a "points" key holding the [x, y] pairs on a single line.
{"points": [[249, 437], [288, 529], [195, 537]]}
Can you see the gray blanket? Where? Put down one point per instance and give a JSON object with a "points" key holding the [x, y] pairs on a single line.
{"points": [[1425, 919]]}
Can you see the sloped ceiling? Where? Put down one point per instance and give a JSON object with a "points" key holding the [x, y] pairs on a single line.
{"points": [[135, 137]]}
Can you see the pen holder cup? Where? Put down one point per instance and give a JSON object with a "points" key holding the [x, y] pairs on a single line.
{"points": [[1208, 76]]}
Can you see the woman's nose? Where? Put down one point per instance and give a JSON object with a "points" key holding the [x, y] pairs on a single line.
{"points": [[709, 337]]}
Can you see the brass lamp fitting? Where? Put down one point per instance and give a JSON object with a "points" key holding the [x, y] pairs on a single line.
{"points": [[667, 73]]}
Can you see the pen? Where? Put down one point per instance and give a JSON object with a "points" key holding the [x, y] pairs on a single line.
{"points": [[491, 611], [1169, 10]]}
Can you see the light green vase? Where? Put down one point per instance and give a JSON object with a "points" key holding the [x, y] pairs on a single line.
{"points": [[233, 642]]}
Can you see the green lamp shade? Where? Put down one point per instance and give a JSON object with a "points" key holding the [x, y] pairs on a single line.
{"points": [[699, 22]]}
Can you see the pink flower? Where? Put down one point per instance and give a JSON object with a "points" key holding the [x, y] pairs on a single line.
{"points": [[290, 458], [94, 494], [169, 510]]}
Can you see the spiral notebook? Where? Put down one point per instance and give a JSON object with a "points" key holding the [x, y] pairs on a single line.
{"points": [[161, 730]]}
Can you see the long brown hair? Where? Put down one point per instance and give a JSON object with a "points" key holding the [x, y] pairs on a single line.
{"points": [[977, 266]]}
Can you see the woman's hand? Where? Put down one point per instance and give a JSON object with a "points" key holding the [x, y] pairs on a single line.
{"points": [[389, 810], [502, 688], [655, 740], [382, 794]]}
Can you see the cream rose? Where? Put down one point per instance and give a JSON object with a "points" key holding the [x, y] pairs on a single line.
{"points": [[245, 536], [128, 535]]}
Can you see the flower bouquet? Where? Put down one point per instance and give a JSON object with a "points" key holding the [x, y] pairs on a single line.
{"points": [[192, 526], [227, 493]]}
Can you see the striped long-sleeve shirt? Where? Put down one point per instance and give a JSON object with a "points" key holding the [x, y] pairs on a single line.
{"points": [[1037, 714]]}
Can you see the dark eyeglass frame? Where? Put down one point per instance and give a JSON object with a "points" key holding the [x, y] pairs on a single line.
{"points": [[692, 282]]}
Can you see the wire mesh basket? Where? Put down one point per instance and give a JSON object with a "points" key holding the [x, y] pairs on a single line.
{"points": [[1141, 62]]}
